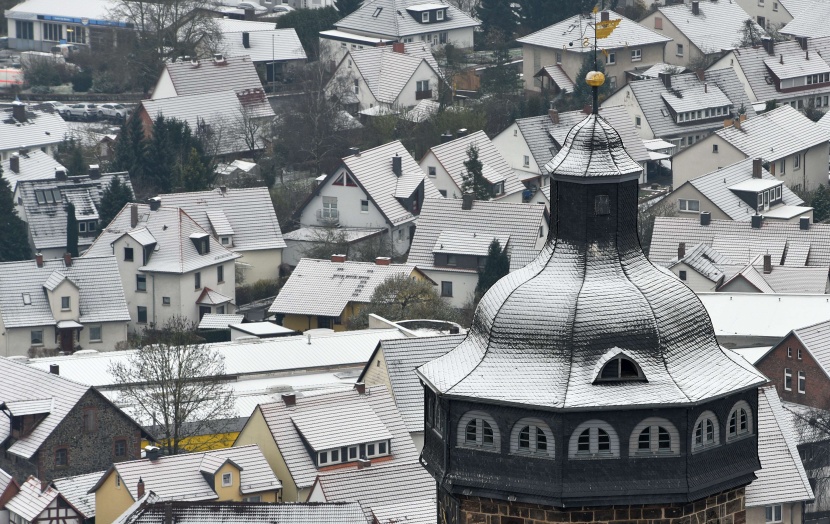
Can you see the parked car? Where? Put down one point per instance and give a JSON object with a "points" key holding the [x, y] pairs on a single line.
{"points": [[282, 9], [56, 107], [83, 111], [116, 111]]}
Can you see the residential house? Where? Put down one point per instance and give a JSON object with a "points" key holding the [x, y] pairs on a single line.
{"points": [[774, 13], [301, 241], [530, 143], [169, 266], [76, 491], [152, 510], [454, 236], [53, 427], [808, 22], [231, 474], [38, 501], [242, 220], [444, 163], [381, 188], [389, 493], [35, 25], [393, 365], [435, 22], [739, 192], [701, 31], [302, 436], [383, 78], [8, 489], [683, 109], [197, 77], [781, 488], [341, 287], [41, 203], [61, 305], [22, 128], [794, 146], [567, 44], [29, 165], [276, 51], [792, 72]]}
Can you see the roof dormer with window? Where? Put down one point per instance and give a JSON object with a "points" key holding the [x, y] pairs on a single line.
{"points": [[464, 250], [428, 13], [701, 101], [797, 71], [759, 193]]}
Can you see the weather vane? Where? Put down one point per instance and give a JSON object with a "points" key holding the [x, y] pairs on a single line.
{"points": [[602, 29]]}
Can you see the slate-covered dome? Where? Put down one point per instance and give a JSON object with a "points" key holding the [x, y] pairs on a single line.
{"points": [[541, 335]]}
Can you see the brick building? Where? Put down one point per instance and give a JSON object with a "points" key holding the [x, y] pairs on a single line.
{"points": [[53, 427], [799, 366]]}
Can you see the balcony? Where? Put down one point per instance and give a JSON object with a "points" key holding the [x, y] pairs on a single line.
{"points": [[329, 217], [423, 95]]}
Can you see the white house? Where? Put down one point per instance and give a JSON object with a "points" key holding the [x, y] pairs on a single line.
{"points": [[444, 164], [62, 304], [381, 188], [196, 77], [773, 13], [21, 128], [169, 265], [242, 220]]}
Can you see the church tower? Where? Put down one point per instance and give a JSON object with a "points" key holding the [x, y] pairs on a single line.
{"points": [[591, 387]]}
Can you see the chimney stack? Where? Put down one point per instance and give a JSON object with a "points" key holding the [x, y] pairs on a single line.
{"points": [[446, 137], [94, 171], [223, 189], [140, 487], [804, 223], [151, 452], [67, 259], [354, 151], [246, 40], [54, 369], [665, 78], [554, 116], [360, 387], [14, 163], [60, 174], [767, 264], [467, 201], [338, 258], [250, 15], [289, 399], [39, 259], [44, 485], [701, 74], [768, 45], [19, 111], [756, 168], [695, 7], [383, 261], [681, 250], [461, 132], [398, 47], [133, 215], [756, 221], [363, 463], [155, 204], [397, 166], [604, 16], [736, 123], [705, 218]]}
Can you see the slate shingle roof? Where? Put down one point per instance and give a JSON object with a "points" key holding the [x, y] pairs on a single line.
{"points": [[452, 155], [492, 218], [395, 21], [97, 279], [300, 463], [775, 134], [40, 129], [236, 72], [576, 28], [335, 284], [249, 212], [782, 477], [718, 27], [386, 72], [171, 229], [649, 94], [189, 512], [47, 222], [34, 165], [76, 491]]}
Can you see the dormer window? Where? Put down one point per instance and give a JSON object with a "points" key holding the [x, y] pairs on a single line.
{"points": [[498, 188], [227, 479], [439, 15], [425, 17], [377, 12], [620, 368], [66, 303], [27, 299]]}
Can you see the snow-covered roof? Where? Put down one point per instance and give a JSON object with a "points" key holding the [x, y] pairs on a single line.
{"points": [[217, 321], [209, 76], [272, 45], [718, 26], [573, 33], [385, 71], [39, 129], [810, 22], [392, 18], [34, 165]]}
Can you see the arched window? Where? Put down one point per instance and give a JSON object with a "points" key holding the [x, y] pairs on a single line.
{"points": [[706, 433], [740, 421], [654, 436], [616, 366], [532, 436], [477, 429], [594, 439]]}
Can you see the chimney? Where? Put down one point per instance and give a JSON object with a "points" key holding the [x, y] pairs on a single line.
{"points": [[223, 189], [133, 215], [756, 221], [604, 16], [54, 369], [14, 163], [60, 174], [681, 250], [665, 78], [756, 168], [338, 258], [354, 151], [44, 485], [383, 261], [695, 7], [461, 132], [446, 137], [94, 171], [67, 259], [19, 111], [151, 452], [360, 387], [804, 223], [467, 201], [155, 204], [246, 40], [705, 218], [39, 259], [701, 74], [398, 47], [802, 41], [250, 14], [289, 399], [768, 44], [168, 513], [140, 487], [554, 116], [736, 123], [767, 264], [363, 463], [728, 122], [396, 165]]}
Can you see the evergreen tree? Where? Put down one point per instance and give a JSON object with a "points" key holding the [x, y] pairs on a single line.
{"points": [[71, 230], [70, 154], [115, 196], [496, 266], [308, 23], [583, 94], [347, 7], [159, 161], [14, 242], [497, 16], [473, 180], [821, 203], [538, 14], [501, 79], [194, 174], [130, 149]]}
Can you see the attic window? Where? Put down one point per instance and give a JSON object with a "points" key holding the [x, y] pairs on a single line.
{"points": [[425, 17], [27, 299], [439, 15], [345, 179], [620, 368], [377, 12]]}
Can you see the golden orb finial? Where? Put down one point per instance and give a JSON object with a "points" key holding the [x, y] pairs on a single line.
{"points": [[595, 78]]}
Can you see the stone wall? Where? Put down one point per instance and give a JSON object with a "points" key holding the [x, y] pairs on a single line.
{"points": [[723, 508]]}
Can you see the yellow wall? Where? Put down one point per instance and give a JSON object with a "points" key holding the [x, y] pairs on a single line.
{"points": [[233, 492], [111, 500], [201, 442], [256, 431], [376, 373]]}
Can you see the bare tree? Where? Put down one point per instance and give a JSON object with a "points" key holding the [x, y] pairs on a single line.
{"points": [[249, 130], [174, 384]]}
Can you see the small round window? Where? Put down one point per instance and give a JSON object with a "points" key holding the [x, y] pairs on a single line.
{"points": [[620, 368]]}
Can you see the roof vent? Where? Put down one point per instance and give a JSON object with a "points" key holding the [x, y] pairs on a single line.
{"points": [[54, 369], [756, 221], [219, 58], [804, 223], [705, 218]]}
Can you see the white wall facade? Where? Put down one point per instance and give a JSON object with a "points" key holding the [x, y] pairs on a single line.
{"points": [[513, 147], [463, 284], [775, 15], [625, 97], [690, 52], [17, 341], [164, 86]]}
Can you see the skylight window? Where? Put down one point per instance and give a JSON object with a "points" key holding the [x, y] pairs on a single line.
{"points": [[27, 299], [377, 12]]}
